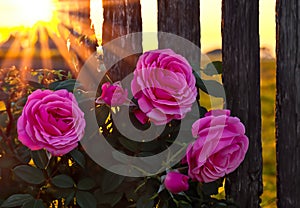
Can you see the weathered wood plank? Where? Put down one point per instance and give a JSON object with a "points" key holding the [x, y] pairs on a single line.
{"points": [[240, 47], [288, 103], [121, 17], [180, 18]]}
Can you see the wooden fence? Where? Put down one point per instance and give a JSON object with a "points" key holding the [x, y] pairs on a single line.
{"points": [[241, 64]]}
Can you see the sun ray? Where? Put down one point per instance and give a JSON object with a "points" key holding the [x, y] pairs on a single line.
{"points": [[13, 51], [45, 44], [30, 55], [63, 50], [45, 50], [82, 52]]}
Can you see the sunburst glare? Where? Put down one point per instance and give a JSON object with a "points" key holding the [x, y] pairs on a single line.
{"points": [[29, 12], [36, 32]]}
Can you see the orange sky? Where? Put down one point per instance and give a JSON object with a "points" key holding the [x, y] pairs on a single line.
{"points": [[18, 12], [211, 25], [211, 22]]}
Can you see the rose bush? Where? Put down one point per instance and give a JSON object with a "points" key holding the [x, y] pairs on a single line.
{"points": [[164, 90], [220, 147], [51, 120], [164, 85]]}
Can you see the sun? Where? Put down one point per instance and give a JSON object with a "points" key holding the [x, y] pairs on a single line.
{"points": [[33, 11], [29, 12]]}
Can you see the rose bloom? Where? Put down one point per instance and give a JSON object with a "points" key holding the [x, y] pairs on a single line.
{"points": [[220, 147], [141, 116], [112, 94], [51, 120], [164, 86], [176, 182]]}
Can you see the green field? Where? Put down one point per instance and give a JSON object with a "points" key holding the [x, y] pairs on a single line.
{"points": [[268, 77]]}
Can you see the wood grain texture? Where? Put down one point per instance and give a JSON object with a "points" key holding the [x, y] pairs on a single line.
{"points": [[180, 18], [288, 103], [241, 78], [121, 17]]}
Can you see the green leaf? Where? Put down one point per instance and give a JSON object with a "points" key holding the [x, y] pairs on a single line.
{"points": [[213, 68], [29, 174], [202, 111], [35, 203], [67, 84], [145, 202], [69, 198], [220, 205], [111, 181], [78, 157], [63, 181], [86, 184], [23, 154], [40, 158], [86, 199], [112, 198], [36, 85], [53, 85], [199, 82], [184, 204], [212, 88], [7, 161], [16, 200]]}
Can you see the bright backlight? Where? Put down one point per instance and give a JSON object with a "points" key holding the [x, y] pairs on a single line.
{"points": [[28, 12]]}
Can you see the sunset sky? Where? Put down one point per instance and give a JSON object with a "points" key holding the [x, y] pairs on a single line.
{"points": [[23, 13], [211, 22]]}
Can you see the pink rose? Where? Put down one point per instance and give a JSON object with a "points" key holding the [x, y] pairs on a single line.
{"points": [[220, 147], [112, 94], [141, 116], [164, 86], [176, 182], [51, 120]]}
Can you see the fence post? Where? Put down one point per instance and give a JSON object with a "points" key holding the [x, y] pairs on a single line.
{"points": [[121, 17], [240, 45], [180, 18], [288, 103]]}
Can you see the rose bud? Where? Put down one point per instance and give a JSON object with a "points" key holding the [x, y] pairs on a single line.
{"points": [[176, 182], [112, 94]]}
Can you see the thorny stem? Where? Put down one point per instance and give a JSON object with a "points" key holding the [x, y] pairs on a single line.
{"points": [[7, 136], [2, 134], [10, 118], [3, 148]]}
